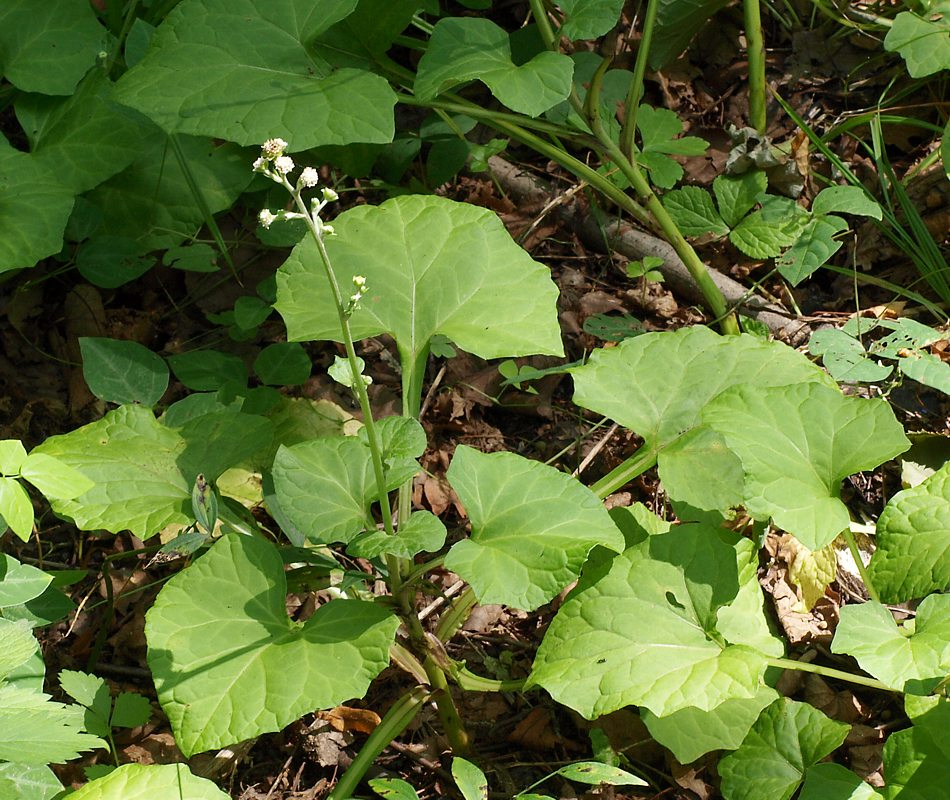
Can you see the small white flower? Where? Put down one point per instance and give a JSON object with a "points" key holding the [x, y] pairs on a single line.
{"points": [[266, 218], [309, 177], [329, 196], [284, 165], [260, 165], [359, 281], [273, 148], [327, 230]]}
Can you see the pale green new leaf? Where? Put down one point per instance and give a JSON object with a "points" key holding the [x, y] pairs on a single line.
{"points": [[20, 583], [462, 49], [846, 200], [814, 246], [432, 266], [54, 478], [36, 730], [17, 646], [768, 231], [470, 779], [911, 658], [588, 19], [923, 43], [16, 508], [12, 456], [912, 557], [28, 782], [47, 47], [928, 369], [737, 194], [830, 781], [230, 665], [150, 782], [393, 789], [797, 443], [787, 738], [639, 630], [693, 212], [242, 70], [594, 773], [532, 528]]}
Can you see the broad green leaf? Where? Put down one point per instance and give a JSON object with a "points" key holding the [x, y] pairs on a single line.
{"points": [[470, 779], [923, 43], [912, 557], [917, 760], [846, 200], [814, 246], [242, 70], [92, 692], [230, 665], [207, 370], [693, 212], [28, 782], [54, 478], [34, 208], [422, 532], [928, 369], [130, 710], [122, 371], [829, 781], [462, 49], [36, 730], [532, 528], [133, 461], [588, 19], [112, 261], [913, 657], [595, 773], [47, 47], [16, 508], [797, 443], [677, 21], [17, 646], [46, 608], [12, 456], [657, 384], [283, 364], [365, 34], [768, 231], [84, 138], [20, 583], [432, 266], [737, 194], [659, 129], [639, 630], [845, 357], [198, 257], [393, 789], [150, 782], [787, 738], [690, 733]]}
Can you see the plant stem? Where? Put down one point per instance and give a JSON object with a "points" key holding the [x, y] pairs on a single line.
{"points": [[755, 52], [544, 24], [394, 723], [848, 536], [636, 465], [445, 706], [629, 132], [830, 672], [455, 617]]}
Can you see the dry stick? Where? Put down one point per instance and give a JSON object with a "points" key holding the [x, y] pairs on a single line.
{"points": [[617, 236]]}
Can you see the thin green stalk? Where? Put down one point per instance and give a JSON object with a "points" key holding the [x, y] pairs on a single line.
{"points": [[544, 24], [454, 618], [848, 536], [755, 52], [448, 714], [476, 683], [830, 672], [634, 466], [629, 132], [397, 719]]}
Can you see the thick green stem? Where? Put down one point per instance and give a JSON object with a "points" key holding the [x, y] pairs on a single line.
{"points": [[544, 24], [755, 51], [830, 672], [394, 723], [636, 465], [859, 564], [455, 617], [629, 132], [445, 706]]}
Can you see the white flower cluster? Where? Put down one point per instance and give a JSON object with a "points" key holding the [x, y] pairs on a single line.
{"points": [[359, 285]]}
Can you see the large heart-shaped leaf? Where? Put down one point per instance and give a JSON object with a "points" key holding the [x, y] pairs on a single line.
{"points": [[786, 739], [432, 266], [228, 662], [242, 70], [796, 444], [912, 658], [532, 528], [640, 630], [462, 49], [912, 557], [149, 782]]}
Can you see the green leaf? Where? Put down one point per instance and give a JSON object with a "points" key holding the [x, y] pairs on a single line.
{"points": [[16, 508], [588, 19], [207, 370], [594, 773], [845, 357], [911, 658], [422, 532], [365, 34], [737, 194], [48, 607], [393, 789], [34, 208], [532, 528], [112, 261], [283, 364], [462, 49], [198, 257], [54, 478], [912, 558], [131, 710], [92, 692], [787, 738], [640, 630], [814, 246], [220, 646], [149, 782], [432, 266], [693, 212], [249, 312], [659, 128], [829, 781], [36, 730], [690, 733], [846, 200], [917, 760], [768, 231], [923, 43], [677, 21], [12, 456], [241, 70], [27, 782], [123, 372], [797, 443], [17, 646], [20, 583], [47, 48], [470, 779], [928, 369]]}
